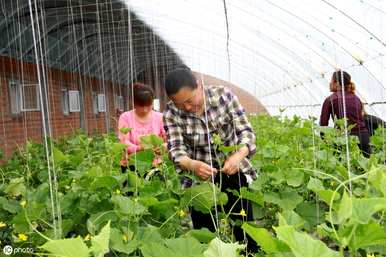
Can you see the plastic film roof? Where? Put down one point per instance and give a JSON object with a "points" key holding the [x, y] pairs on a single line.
{"points": [[283, 52]]}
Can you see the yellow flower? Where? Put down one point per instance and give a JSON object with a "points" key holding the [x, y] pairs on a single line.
{"points": [[2, 224], [22, 237], [125, 237], [242, 213], [23, 203], [87, 237], [181, 213], [118, 192], [370, 255]]}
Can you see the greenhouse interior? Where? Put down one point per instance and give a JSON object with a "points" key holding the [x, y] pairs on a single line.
{"points": [[197, 128]]}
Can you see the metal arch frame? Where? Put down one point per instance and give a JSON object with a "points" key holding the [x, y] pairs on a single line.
{"points": [[5, 22], [53, 28], [57, 60], [86, 49], [241, 45], [54, 25]]}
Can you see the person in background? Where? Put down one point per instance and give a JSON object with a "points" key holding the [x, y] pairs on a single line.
{"points": [[140, 121], [194, 115], [372, 123], [333, 107]]}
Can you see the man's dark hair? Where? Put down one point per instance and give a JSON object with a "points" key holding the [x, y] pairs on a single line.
{"points": [[178, 78]]}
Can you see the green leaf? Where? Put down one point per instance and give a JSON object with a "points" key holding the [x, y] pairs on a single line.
{"points": [[229, 149], [293, 219], [16, 187], [325, 231], [256, 197], [202, 197], [117, 149], [263, 238], [11, 205], [100, 243], [107, 182], [117, 243], [315, 185], [368, 235], [142, 160], [294, 177], [152, 249], [378, 179], [203, 235], [302, 244], [149, 234], [151, 141], [187, 247], [20, 223], [345, 208], [219, 248], [125, 130], [287, 199], [311, 213], [326, 195], [97, 220], [72, 247], [59, 156], [363, 209], [126, 206]]}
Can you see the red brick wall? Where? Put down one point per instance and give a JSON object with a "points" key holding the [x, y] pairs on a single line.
{"points": [[28, 126]]}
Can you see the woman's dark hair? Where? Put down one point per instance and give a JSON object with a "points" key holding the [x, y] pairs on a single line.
{"points": [[337, 77], [178, 78], [348, 85], [143, 95]]}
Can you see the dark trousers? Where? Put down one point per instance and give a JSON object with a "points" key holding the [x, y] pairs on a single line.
{"points": [[236, 181], [364, 142]]}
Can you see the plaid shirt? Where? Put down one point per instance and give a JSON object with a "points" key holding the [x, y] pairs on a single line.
{"points": [[188, 133]]}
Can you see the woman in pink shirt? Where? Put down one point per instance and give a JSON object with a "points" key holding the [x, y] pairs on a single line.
{"points": [[140, 121]]}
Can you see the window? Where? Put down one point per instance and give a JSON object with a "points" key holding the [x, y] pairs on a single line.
{"points": [[119, 103], [101, 103], [65, 101], [74, 100], [29, 97], [23, 97], [14, 98], [94, 96]]}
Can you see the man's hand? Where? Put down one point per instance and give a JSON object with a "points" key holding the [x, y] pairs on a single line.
{"points": [[232, 164], [202, 170]]}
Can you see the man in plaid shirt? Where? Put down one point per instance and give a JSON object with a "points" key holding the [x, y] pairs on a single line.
{"points": [[191, 119]]}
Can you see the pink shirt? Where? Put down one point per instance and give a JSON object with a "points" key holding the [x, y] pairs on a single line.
{"points": [[132, 138]]}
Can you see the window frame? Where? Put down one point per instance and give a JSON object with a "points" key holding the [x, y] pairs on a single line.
{"points": [[71, 94], [65, 101], [101, 103]]}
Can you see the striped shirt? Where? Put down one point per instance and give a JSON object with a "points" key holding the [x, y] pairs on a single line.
{"points": [[187, 133]]}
